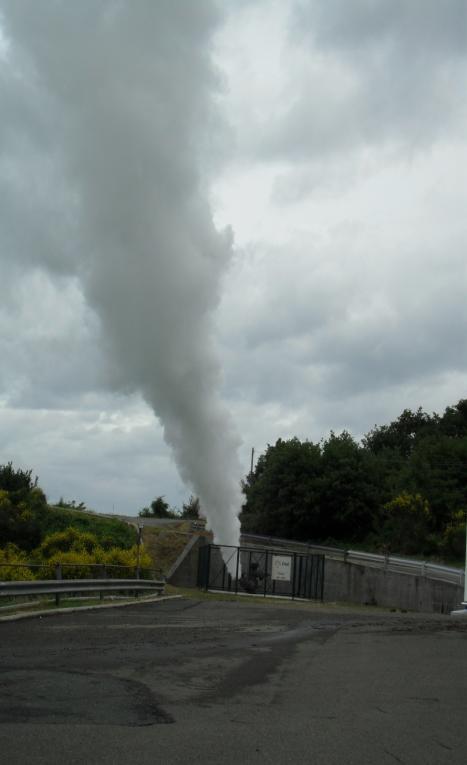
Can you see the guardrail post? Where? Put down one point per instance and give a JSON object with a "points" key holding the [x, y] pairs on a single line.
{"points": [[104, 576], [293, 577], [58, 576]]}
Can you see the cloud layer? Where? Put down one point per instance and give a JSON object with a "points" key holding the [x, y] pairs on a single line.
{"points": [[341, 129]]}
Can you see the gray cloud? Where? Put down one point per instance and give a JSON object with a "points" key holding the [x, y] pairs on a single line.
{"points": [[107, 452], [46, 333], [345, 299], [366, 309], [424, 28], [384, 74]]}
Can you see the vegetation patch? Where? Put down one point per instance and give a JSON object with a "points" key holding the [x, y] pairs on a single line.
{"points": [[401, 490], [165, 543], [36, 537]]}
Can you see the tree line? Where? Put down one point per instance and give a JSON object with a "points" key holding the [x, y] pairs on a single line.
{"points": [[159, 508], [401, 489]]}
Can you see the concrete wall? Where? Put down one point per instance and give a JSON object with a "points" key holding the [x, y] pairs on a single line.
{"points": [[351, 583], [184, 572]]}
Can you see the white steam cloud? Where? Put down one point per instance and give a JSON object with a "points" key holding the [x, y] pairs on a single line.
{"points": [[104, 114]]}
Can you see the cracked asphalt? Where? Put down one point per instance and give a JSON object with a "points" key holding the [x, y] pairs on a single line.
{"points": [[186, 681]]}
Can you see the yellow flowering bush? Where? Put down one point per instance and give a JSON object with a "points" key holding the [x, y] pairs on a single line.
{"points": [[13, 562]]}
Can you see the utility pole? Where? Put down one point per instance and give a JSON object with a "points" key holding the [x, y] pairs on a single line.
{"points": [[252, 456]]}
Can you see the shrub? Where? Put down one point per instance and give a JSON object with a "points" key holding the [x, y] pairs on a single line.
{"points": [[77, 564], [15, 560], [66, 541], [116, 557], [405, 523], [453, 540]]}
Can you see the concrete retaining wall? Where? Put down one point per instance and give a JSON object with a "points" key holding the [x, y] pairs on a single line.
{"points": [[366, 585], [184, 572], [351, 583]]}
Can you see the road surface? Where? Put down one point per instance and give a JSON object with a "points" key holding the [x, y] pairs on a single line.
{"points": [[187, 681]]}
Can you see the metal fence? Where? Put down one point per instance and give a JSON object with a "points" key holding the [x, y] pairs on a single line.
{"points": [[25, 579], [78, 570], [58, 587], [387, 562], [264, 571]]}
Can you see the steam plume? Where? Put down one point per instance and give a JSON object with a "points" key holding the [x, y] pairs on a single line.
{"points": [[111, 99]]}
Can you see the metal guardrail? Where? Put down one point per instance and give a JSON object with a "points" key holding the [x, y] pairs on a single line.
{"points": [[63, 586], [110, 578], [385, 562], [406, 566]]}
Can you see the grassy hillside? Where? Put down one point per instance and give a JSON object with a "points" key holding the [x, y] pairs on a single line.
{"points": [[26, 518], [33, 532], [110, 532], [165, 543]]}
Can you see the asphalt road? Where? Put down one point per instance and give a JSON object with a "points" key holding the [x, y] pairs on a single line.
{"points": [[225, 682]]}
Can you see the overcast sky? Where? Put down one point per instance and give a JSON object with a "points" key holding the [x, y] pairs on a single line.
{"points": [[247, 217]]}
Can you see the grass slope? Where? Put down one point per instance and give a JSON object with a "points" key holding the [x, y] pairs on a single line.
{"points": [[110, 532], [165, 543]]}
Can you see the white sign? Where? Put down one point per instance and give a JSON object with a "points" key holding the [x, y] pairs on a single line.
{"points": [[281, 568]]}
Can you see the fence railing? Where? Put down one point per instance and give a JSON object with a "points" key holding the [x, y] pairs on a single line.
{"points": [[261, 571], [76, 578], [100, 570], [387, 562], [59, 587]]}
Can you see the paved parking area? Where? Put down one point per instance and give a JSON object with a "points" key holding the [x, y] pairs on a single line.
{"points": [[234, 682]]}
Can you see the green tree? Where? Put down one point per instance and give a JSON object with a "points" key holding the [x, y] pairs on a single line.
{"points": [[18, 483], [401, 435], [310, 491], [191, 509], [453, 423], [375, 492], [404, 525], [159, 508], [23, 506], [437, 469], [348, 489], [281, 493], [453, 539]]}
